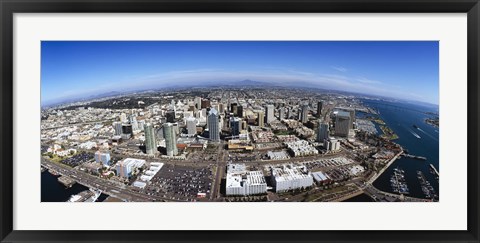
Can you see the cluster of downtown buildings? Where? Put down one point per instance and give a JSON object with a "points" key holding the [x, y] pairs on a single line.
{"points": [[243, 125]]}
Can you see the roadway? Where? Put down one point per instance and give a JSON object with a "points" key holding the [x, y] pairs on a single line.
{"points": [[111, 188]]}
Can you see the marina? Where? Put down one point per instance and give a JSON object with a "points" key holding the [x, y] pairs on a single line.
{"points": [[398, 182], [427, 188]]}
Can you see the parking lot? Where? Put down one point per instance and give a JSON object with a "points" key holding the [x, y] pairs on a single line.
{"points": [[181, 182], [78, 159]]}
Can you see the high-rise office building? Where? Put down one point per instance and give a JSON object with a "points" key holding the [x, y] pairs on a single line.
{"points": [[102, 157], [221, 108], [235, 126], [191, 126], [123, 117], [239, 111], [342, 124], [233, 108], [289, 113], [281, 113], [319, 109], [117, 126], [269, 109], [132, 119], [170, 139], [170, 115], [352, 117], [127, 131], [260, 118], [213, 125], [323, 132], [150, 141], [205, 103], [198, 103], [304, 114]]}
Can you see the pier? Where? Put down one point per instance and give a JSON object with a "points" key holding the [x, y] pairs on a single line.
{"points": [[435, 170], [414, 157], [66, 181]]}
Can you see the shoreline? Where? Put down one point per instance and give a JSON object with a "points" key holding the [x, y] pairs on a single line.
{"points": [[375, 177]]}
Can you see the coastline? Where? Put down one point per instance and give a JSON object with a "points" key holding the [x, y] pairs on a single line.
{"points": [[374, 177]]}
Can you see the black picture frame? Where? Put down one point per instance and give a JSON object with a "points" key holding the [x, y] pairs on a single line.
{"points": [[9, 7]]}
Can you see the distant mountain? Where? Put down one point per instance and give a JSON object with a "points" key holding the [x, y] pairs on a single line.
{"points": [[103, 95], [248, 82], [61, 101]]}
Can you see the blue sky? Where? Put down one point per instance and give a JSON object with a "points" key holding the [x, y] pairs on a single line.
{"points": [[406, 70]]}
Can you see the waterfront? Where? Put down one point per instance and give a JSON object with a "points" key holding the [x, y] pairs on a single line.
{"points": [[360, 198], [401, 117], [54, 191]]}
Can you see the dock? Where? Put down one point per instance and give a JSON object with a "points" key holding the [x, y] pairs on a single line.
{"points": [[66, 181], [414, 157]]}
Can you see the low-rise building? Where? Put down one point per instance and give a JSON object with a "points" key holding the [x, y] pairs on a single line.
{"points": [[290, 177], [126, 167], [301, 148], [241, 182]]}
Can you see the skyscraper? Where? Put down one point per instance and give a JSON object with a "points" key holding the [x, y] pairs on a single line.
{"points": [[352, 117], [304, 114], [260, 119], [170, 115], [221, 108], [269, 109], [123, 117], [205, 103], [289, 114], [102, 157], [191, 126], [342, 124], [235, 126], [133, 120], [198, 103], [239, 111], [213, 126], [170, 139], [150, 141], [319, 109], [281, 113], [118, 128], [323, 132], [233, 108], [126, 131]]}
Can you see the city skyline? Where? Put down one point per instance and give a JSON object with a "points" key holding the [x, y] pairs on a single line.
{"points": [[403, 70]]}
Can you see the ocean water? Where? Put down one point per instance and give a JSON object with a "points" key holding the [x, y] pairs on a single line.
{"points": [[54, 191], [401, 117]]}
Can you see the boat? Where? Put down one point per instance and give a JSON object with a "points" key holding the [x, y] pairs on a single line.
{"points": [[86, 196], [398, 182], [96, 195], [426, 187], [416, 135], [415, 126]]}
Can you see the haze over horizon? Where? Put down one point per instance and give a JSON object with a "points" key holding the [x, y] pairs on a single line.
{"points": [[405, 70]]}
